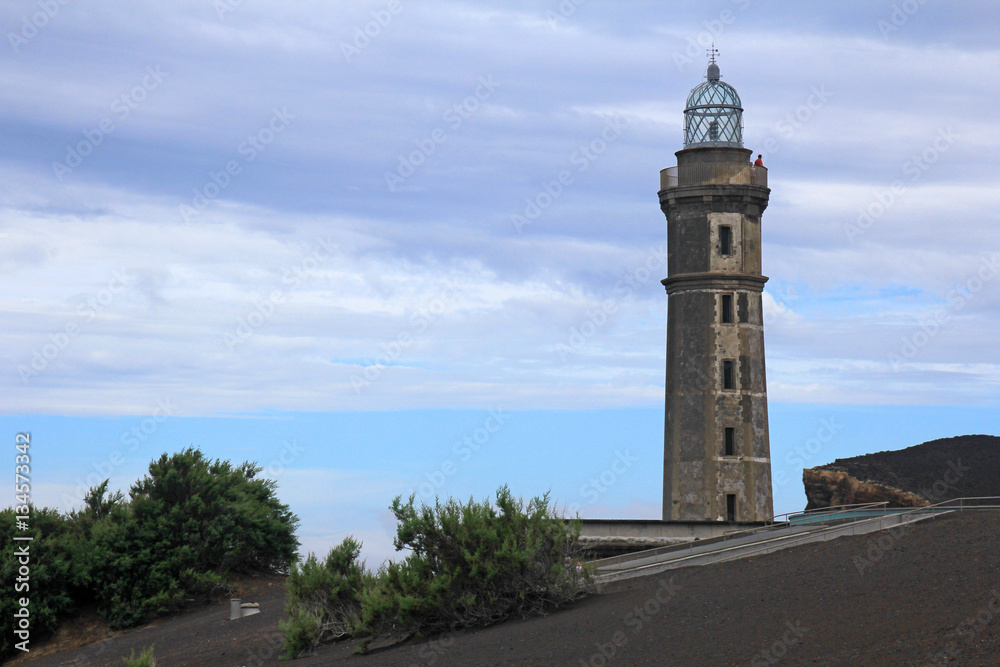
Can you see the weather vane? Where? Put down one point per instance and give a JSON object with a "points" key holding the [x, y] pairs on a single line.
{"points": [[711, 53]]}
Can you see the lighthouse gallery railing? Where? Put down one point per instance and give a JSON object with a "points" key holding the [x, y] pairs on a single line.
{"points": [[713, 174]]}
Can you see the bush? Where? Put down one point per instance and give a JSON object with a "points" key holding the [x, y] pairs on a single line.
{"points": [[324, 601], [191, 522], [471, 564], [476, 564], [187, 526], [144, 659], [47, 587]]}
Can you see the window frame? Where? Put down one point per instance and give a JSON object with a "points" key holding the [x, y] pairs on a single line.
{"points": [[729, 374], [726, 240], [727, 315]]}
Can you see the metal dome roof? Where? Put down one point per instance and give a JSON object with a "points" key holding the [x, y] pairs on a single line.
{"points": [[713, 115]]}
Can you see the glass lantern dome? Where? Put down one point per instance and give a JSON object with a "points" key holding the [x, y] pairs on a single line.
{"points": [[713, 115]]}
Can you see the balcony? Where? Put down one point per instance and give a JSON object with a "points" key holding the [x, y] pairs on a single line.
{"points": [[713, 174]]}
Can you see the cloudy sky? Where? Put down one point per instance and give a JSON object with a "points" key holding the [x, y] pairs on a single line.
{"points": [[330, 237]]}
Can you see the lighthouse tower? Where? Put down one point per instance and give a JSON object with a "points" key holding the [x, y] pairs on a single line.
{"points": [[716, 462]]}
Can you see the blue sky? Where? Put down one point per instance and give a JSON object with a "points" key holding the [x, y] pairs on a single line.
{"points": [[331, 238]]}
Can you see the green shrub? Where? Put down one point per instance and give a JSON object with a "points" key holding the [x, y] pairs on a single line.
{"points": [[471, 564], [323, 598], [47, 585], [220, 517], [190, 523], [144, 659], [186, 527], [476, 564]]}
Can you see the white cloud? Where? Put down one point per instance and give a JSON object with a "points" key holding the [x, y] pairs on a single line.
{"points": [[486, 308]]}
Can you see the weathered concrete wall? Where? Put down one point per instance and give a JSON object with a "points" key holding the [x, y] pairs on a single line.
{"points": [[697, 474], [650, 528]]}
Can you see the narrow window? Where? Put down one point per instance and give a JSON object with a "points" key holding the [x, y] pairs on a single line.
{"points": [[728, 374], [729, 441], [727, 308], [725, 240], [730, 507]]}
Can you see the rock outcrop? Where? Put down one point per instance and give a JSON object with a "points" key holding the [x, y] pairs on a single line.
{"points": [[965, 466], [830, 488]]}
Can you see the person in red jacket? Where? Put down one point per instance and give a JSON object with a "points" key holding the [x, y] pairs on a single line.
{"points": [[759, 162]]}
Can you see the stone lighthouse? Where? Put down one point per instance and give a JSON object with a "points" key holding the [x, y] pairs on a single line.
{"points": [[716, 459]]}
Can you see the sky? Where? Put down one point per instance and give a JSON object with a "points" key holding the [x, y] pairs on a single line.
{"points": [[332, 238]]}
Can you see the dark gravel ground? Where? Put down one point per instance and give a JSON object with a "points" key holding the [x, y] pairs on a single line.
{"points": [[927, 595]]}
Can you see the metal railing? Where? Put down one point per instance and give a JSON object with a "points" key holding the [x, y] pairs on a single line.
{"points": [[902, 513], [844, 515], [771, 526], [867, 510], [845, 511], [713, 174]]}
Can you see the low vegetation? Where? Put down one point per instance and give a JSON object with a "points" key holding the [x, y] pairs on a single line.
{"points": [[470, 564], [184, 529], [144, 659]]}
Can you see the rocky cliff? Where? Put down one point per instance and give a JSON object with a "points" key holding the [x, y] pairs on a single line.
{"points": [[964, 466], [830, 488]]}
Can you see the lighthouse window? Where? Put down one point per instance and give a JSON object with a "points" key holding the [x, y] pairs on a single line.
{"points": [[727, 308], [725, 240], [730, 507], [728, 374], [729, 442]]}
